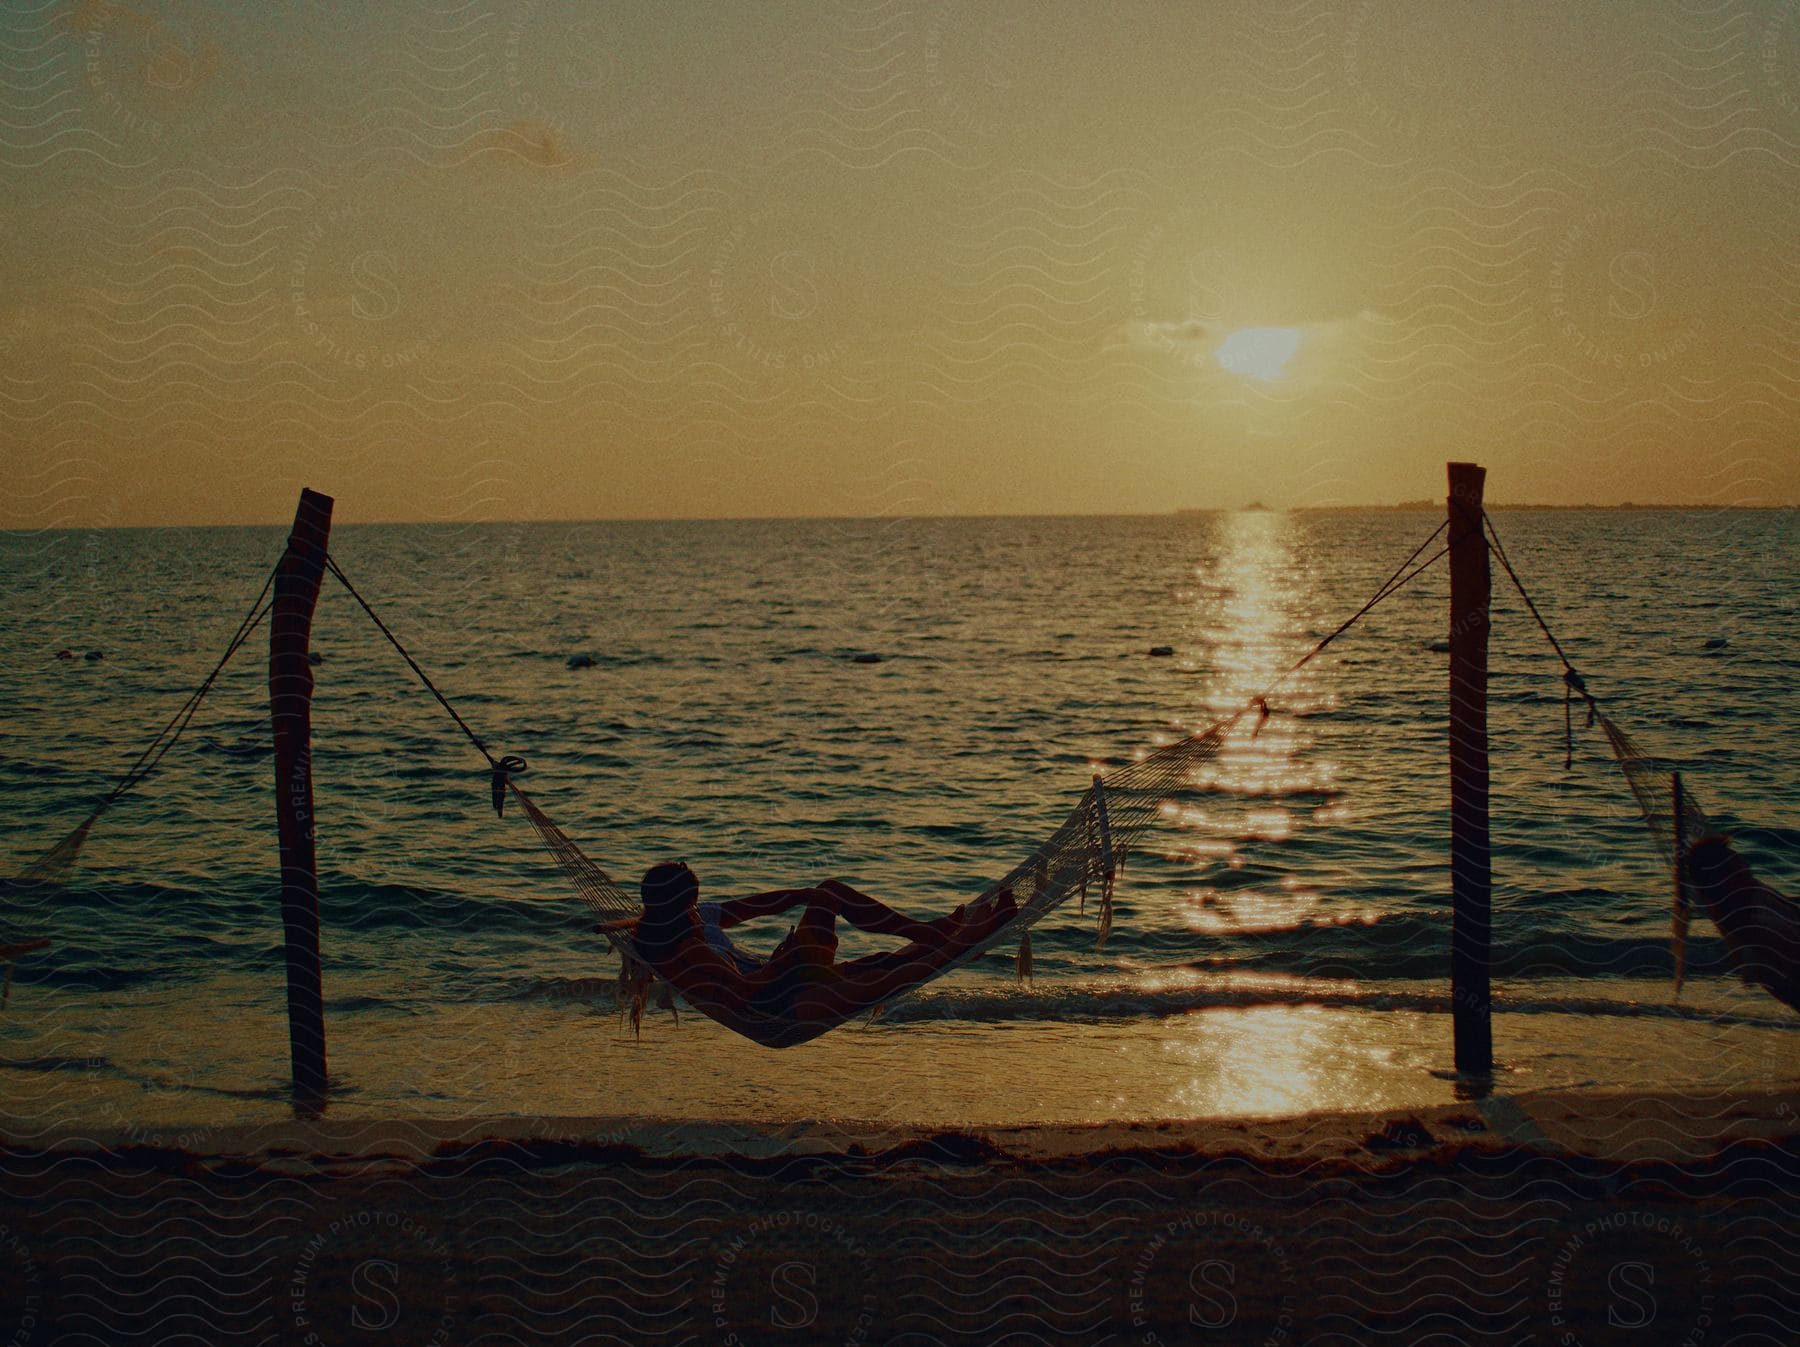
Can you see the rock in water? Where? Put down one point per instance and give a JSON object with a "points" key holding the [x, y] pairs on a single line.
{"points": [[1160, 650]]}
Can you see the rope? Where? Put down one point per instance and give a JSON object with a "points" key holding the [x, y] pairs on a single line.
{"points": [[503, 769], [1573, 682], [1499, 550], [53, 866], [1143, 776], [158, 749], [1389, 587]]}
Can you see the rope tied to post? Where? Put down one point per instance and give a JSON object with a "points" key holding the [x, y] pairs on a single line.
{"points": [[501, 770], [1573, 683]]}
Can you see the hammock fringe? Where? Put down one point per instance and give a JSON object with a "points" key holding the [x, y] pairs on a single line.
{"points": [[635, 982]]}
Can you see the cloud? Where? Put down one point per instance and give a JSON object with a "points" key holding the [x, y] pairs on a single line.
{"points": [[164, 60], [533, 142], [1180, 334], [1189, 335]]}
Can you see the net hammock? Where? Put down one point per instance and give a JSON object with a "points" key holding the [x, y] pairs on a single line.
{"points": [[1760, 925], [1083, 856]]}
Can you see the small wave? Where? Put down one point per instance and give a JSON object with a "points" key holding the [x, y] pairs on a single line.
{"points": [[106, 1066], [1775, 836], [1412, 946], [240, 748], [349, 1005], [1083, 1001], [586, 989], [694, 738], [56, 1064], [1125, 1002], [599, 659], [91, 916], [1308, 792]]}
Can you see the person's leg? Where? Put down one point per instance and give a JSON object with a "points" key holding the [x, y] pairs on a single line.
{"points": [[803, 964], [812, 942], [953, 933], [873, 915], [861, 984]]}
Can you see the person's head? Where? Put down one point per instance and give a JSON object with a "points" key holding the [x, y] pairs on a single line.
{"points": [[668, 890]]}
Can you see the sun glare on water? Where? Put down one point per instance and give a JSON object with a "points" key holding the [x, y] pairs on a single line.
{"points": [[1258, 352]]}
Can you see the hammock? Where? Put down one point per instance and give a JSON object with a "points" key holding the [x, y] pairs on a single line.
{"points": [[1760, 925], [1086, 852]]}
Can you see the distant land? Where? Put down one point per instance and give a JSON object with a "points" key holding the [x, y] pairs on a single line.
{"points": [[1436, 506]]}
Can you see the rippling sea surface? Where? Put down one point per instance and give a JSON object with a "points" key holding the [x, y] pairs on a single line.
{"points": [[1280, 940]]}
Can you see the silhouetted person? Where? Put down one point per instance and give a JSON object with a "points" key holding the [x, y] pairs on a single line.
{"points": [[800, 990]]}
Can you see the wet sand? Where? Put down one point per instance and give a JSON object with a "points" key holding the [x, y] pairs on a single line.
{"points": [[1576, 1217]]}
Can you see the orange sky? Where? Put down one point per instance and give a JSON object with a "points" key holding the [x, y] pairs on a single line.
{"points": [[562, 260]]}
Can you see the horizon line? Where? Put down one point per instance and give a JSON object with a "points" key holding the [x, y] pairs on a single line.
{"points": [[1408, 506]]}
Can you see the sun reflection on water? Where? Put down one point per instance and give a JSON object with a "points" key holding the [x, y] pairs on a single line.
{"points": [[1247, 610], [1267, 1061], [1255, 798]]}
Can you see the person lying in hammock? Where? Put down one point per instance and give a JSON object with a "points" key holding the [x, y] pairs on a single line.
{"points": [[800, 990]]}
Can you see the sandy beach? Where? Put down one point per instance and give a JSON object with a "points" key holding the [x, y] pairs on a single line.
{"points": [[1571, 1217]]}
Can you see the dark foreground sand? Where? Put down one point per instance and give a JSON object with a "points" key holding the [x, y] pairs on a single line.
{"points": [[1559, 1219]]}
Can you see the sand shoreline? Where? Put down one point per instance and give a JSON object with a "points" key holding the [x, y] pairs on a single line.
{"points": [[1556, 1217], [1618, 1125]]}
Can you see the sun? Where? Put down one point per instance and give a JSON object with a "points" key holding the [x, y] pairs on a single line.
{"points": [[1258, 352]]}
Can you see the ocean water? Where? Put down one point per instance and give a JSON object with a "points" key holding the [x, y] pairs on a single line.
{"points": [[1280, 938]]}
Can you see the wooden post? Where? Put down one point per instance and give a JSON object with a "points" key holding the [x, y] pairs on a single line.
{"points": [[1471, 868], [1678, 930], [297, 581]]}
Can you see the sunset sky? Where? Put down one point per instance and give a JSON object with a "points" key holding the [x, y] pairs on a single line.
{"points": [[573, 260]]}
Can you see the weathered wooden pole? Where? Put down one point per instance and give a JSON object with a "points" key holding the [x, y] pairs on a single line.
{"points": [[297, 581], [1471, 865], [1679, 913]]}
